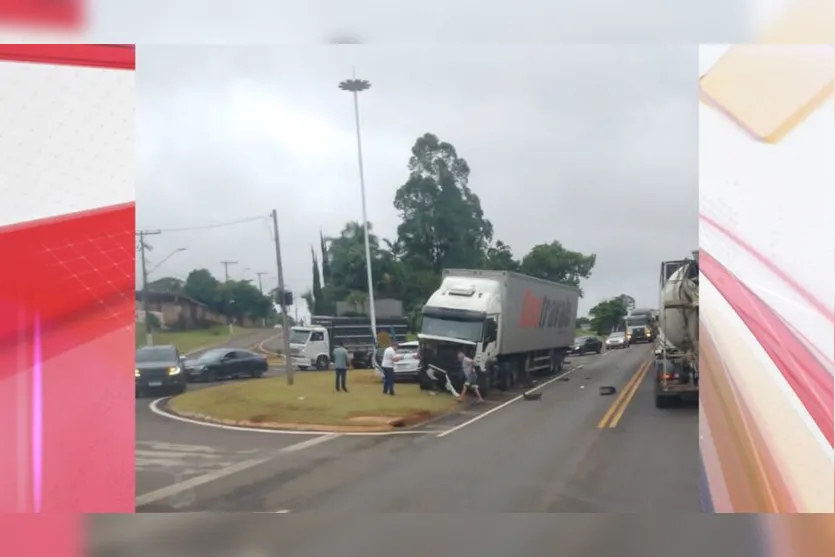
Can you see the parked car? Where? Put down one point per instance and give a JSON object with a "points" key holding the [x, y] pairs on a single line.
{"points": [[407, 360], [586, 345], [159, 368], [226, 363], [618, 339]]}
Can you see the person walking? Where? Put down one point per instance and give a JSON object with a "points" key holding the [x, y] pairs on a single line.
{"points": [[340, 366], [388, 368], [471, 382]]}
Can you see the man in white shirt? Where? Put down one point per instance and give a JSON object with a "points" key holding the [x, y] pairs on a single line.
{"points": [[471, 377], [388, 368]]}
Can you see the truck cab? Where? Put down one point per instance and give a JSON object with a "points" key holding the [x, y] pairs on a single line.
{"points": [[640, 326], [463, 314], [310, 347]]}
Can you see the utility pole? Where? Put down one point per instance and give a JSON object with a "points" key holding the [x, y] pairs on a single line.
{"points": [[285, 329], [261, 289], [149, 337], [226, 294]]}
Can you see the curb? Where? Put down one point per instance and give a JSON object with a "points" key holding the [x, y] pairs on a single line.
{"points": [[395, 424]]}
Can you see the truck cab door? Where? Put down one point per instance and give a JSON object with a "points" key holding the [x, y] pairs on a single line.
{"points": [[490, 337], [317, 345]]}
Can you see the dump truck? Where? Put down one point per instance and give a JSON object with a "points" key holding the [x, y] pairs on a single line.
{"points": [[512, 325], [312, 346], [677, 350]]}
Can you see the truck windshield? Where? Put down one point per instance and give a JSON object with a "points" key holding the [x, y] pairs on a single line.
{"points": [[637, 321], [299, 337], [464, 330]]}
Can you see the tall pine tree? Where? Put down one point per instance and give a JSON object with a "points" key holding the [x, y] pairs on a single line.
{"points": [[318, 297], [326, 264]]}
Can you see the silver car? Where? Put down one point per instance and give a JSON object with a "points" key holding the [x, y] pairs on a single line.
{"points": [[406, 360], [617, 340]]}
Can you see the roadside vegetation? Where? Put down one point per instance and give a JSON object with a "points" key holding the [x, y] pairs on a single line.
{"points": [[187, 341]]}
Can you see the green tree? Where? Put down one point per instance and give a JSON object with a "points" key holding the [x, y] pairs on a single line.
{"points": [[318, 296], [166, 284], [555, 263], [246, 300], [583, 322], [607, 316], [627, 301], [499, 257], [203, 287], [442, 220], [326, 266]]}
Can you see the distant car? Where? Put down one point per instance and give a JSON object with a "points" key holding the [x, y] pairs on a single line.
{"points": [[585, 345], [226, 363], [617, 339], [406, 360], [159, 368]]}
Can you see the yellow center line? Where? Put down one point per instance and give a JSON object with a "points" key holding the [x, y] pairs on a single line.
{"points": [[623, 396], [629, 395]]}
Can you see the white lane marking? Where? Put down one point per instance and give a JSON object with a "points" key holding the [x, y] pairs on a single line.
{"points": [[180, 487], [508, 403], [154, 407], [309, 443]]}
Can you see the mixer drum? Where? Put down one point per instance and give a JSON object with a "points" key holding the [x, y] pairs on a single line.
{"points": [[680, 325]]}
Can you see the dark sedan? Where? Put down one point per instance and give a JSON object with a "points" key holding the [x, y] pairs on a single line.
{"points": [[586, 345], [159, 368], [225, 363]]}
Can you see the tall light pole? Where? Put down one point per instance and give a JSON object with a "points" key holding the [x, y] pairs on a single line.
{"points": [[355, 86]]}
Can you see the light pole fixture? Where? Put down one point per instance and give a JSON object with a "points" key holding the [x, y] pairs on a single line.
{"points": [[356, 86]]}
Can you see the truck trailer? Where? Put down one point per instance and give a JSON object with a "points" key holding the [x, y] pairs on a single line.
{"points": [[677, 351], [512, 325]]}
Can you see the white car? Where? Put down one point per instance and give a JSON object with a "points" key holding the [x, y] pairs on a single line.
{"points": [[617, 339], [406, 360]]}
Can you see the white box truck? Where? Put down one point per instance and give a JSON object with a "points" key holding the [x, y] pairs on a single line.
{"points": [[512, 325]]}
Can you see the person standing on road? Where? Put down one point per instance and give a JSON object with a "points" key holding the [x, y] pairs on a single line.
{"points": [[388, 368], [340, 366], [471, 382]]}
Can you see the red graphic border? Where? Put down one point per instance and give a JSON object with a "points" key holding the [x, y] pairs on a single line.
{"points": [[112, 56]]}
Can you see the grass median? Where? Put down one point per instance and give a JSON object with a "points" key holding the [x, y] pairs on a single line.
{"points": [[187, 341], [313, 401]]}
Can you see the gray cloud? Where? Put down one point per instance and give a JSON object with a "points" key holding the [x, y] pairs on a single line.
{"points": [[594, 146], [426, 22]]}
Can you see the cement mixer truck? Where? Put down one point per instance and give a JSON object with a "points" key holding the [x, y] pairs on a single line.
{"points": [[677, 349]]}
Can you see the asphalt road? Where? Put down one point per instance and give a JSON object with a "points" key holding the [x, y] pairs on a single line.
{"points": [[554, 455], [418, 535]]}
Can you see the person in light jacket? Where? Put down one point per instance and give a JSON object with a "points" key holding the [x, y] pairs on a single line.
{"points": [[340, 366]]}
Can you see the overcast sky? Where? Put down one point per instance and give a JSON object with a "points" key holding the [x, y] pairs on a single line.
{"points": [[593, 146]]}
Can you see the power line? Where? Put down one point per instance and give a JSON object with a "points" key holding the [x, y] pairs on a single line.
{"points": [[217, 225]]}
